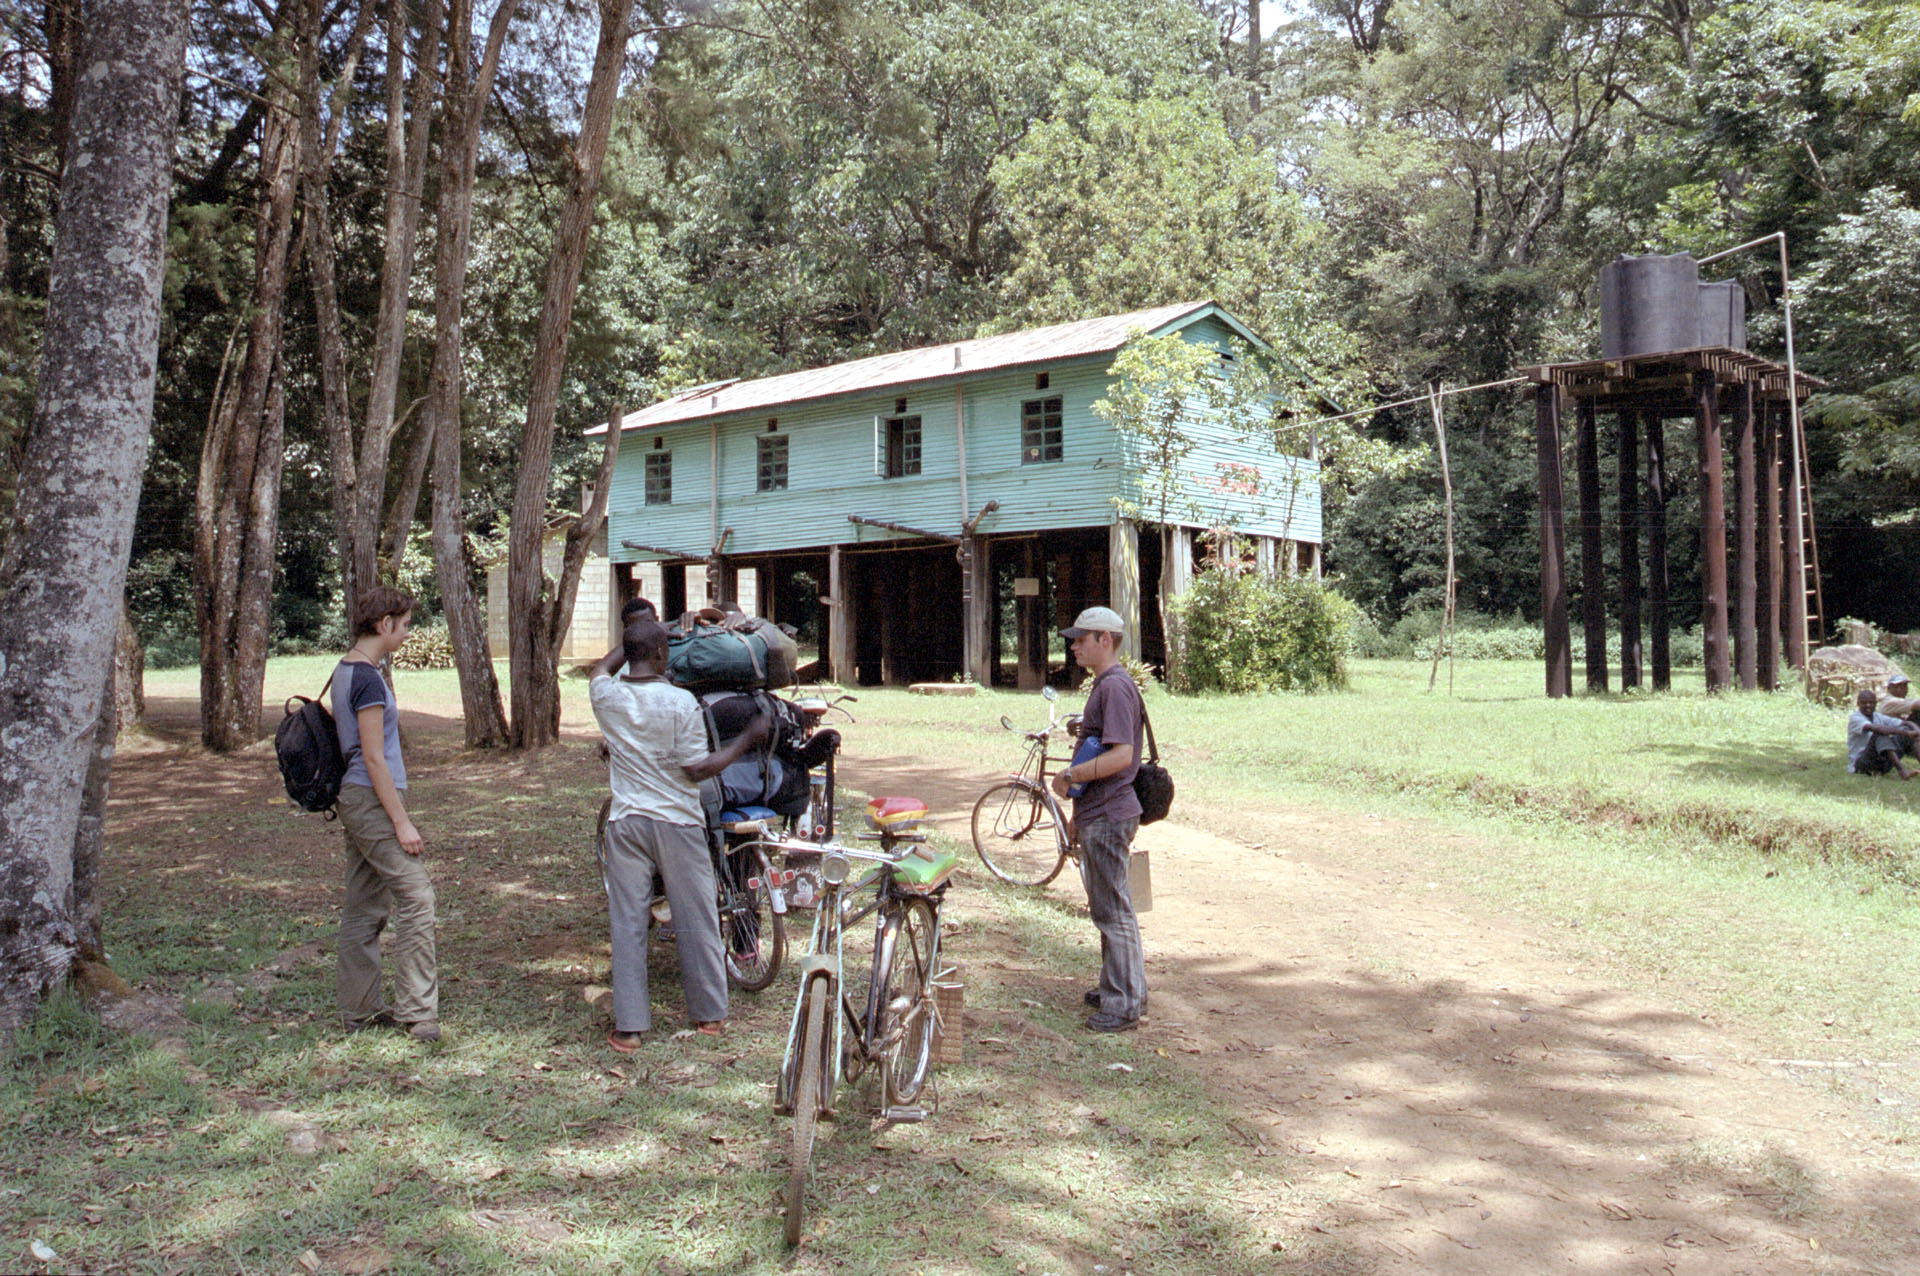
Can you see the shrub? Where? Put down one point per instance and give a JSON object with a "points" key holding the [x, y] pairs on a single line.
{"points": [[1242, 632], [428, 647]]}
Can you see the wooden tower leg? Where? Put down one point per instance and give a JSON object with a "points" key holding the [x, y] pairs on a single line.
{"points": [[1713, 533], [1767, 556], [1553, 542], [1629, 551], [1744, 573], [1660, 657], [1593, 564]]}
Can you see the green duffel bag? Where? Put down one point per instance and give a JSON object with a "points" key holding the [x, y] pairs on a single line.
{"points": [[749, 657]]}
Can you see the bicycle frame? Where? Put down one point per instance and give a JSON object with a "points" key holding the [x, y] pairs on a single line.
{"points": [[825, 959]]}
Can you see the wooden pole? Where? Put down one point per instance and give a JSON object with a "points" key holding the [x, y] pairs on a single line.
{"points": [[1446, 487], [1593, 566], [1744, 573], [1630, 588], [1553, 542], [1657, 623], [1793, 583], [1713, 533], [840, 647], [1767, 561]]}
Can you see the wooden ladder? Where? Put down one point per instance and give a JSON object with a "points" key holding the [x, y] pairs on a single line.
{"points": [[1810, 554]]}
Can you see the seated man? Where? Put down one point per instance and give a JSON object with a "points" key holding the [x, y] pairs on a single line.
{"points": [[1898, 702], [657, 739], [1874, 740]]}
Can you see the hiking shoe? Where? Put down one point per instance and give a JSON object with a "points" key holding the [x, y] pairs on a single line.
{"points": [[1092, 997], [424, 1030], [378, 1019], [1104, 1022]]}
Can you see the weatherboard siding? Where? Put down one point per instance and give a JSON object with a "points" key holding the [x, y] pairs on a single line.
{"points": [[831, 470]]}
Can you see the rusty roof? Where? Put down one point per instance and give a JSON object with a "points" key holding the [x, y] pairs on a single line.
{"points": [[928, 363]]}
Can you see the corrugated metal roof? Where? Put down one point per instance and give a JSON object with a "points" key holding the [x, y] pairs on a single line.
{"points": [[929, 363]]}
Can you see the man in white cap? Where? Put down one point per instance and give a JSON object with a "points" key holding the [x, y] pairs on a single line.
{"points": [[1898, 702], [1106, 815]]}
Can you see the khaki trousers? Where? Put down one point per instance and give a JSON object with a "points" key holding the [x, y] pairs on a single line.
{"points": [[382, 879]]}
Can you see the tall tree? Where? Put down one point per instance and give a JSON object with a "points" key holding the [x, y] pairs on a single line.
{"points": [[237, 508], [467, 90], [60, 588], [539, 609]]}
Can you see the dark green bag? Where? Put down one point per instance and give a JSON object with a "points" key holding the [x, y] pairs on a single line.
{"points": [[751, 657]]}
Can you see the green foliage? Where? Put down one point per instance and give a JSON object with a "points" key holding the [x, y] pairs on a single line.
{"points": [[1244, 632], [1160, 383], [427, 647]]}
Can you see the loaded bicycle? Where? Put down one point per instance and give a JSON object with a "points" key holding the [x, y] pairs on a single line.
{"points": [[838, 1031], [1019, 829]]}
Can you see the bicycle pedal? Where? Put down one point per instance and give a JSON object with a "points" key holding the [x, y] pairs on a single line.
{"points": [[903, 1116]]}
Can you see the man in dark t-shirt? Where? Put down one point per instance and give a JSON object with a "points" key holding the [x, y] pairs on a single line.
{"points": [[1106, 815]]}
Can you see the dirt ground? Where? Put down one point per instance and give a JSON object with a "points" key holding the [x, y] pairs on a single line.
{"points": [[1462, 1096], [1470, 1100]]}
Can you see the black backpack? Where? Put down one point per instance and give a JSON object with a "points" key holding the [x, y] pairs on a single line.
{"points": [[307, 746]]}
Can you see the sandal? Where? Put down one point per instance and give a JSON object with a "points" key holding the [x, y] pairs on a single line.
{"points": [[624, 1042], [711, 1028]]}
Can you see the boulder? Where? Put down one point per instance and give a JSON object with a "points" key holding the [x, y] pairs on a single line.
{"points": [[1836, 675]]}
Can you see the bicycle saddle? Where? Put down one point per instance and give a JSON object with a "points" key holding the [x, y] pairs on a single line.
{"points": [[896, 814], [740, 815]]}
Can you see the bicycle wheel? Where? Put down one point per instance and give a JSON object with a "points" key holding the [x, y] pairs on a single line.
{"points": [[1017, 832], [754, 935], [806, 1105], [906, 1002]]}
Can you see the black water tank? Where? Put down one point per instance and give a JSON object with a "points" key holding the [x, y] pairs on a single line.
{"points": [[1649, 305], [1723, 315]]}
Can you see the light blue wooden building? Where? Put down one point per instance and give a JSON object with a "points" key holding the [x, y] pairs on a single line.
{"points": [[939, 511]]}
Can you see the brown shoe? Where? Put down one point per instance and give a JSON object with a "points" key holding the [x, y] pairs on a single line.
{"points": [[424, 1030], [711, 1028], [625, 1042]]}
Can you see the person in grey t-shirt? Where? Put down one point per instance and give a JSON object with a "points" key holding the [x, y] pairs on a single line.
{"points": [[385, 872], [1106, 815]]}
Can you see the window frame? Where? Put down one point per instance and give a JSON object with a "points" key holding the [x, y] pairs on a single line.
{"points": [[905, 447], [1034, 442], [659, 478], [770, 472]]}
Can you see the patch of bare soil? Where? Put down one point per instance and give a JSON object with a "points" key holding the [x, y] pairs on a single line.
{"points": [[1463, 1097]]}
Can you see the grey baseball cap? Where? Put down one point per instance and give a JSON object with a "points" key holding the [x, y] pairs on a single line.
{"points": [[1095, 620]]}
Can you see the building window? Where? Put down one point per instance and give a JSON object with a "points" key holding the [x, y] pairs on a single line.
{"points": [[1041, 380], [773, 464], [659, 478], [903, 446], [1040, 430]]}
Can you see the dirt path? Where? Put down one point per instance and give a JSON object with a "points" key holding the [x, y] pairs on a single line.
{"points": [[1466, 1099]]}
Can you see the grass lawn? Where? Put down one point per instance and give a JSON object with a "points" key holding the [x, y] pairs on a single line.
{"points": [[1711, 846]]}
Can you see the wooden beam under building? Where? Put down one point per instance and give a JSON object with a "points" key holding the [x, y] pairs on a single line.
{"points": [[1123, 579], [840, 647], [1593, 565], [1713, 533], [1553, 542]]}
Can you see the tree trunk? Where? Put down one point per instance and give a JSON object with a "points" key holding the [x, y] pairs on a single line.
{"points": [[129, 675], [466, 96], [60, 589], [407, 140], [536, 618], [238, 504]]}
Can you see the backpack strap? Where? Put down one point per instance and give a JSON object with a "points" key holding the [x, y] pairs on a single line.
{"points": [[1153, 746]]}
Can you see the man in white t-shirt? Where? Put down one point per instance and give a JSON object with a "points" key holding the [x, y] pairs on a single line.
{"points": [[657, 756]]}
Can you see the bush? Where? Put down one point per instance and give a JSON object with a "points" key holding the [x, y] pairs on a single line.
{"points": [[428, 647], [1242, 632], [173, 651]]}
